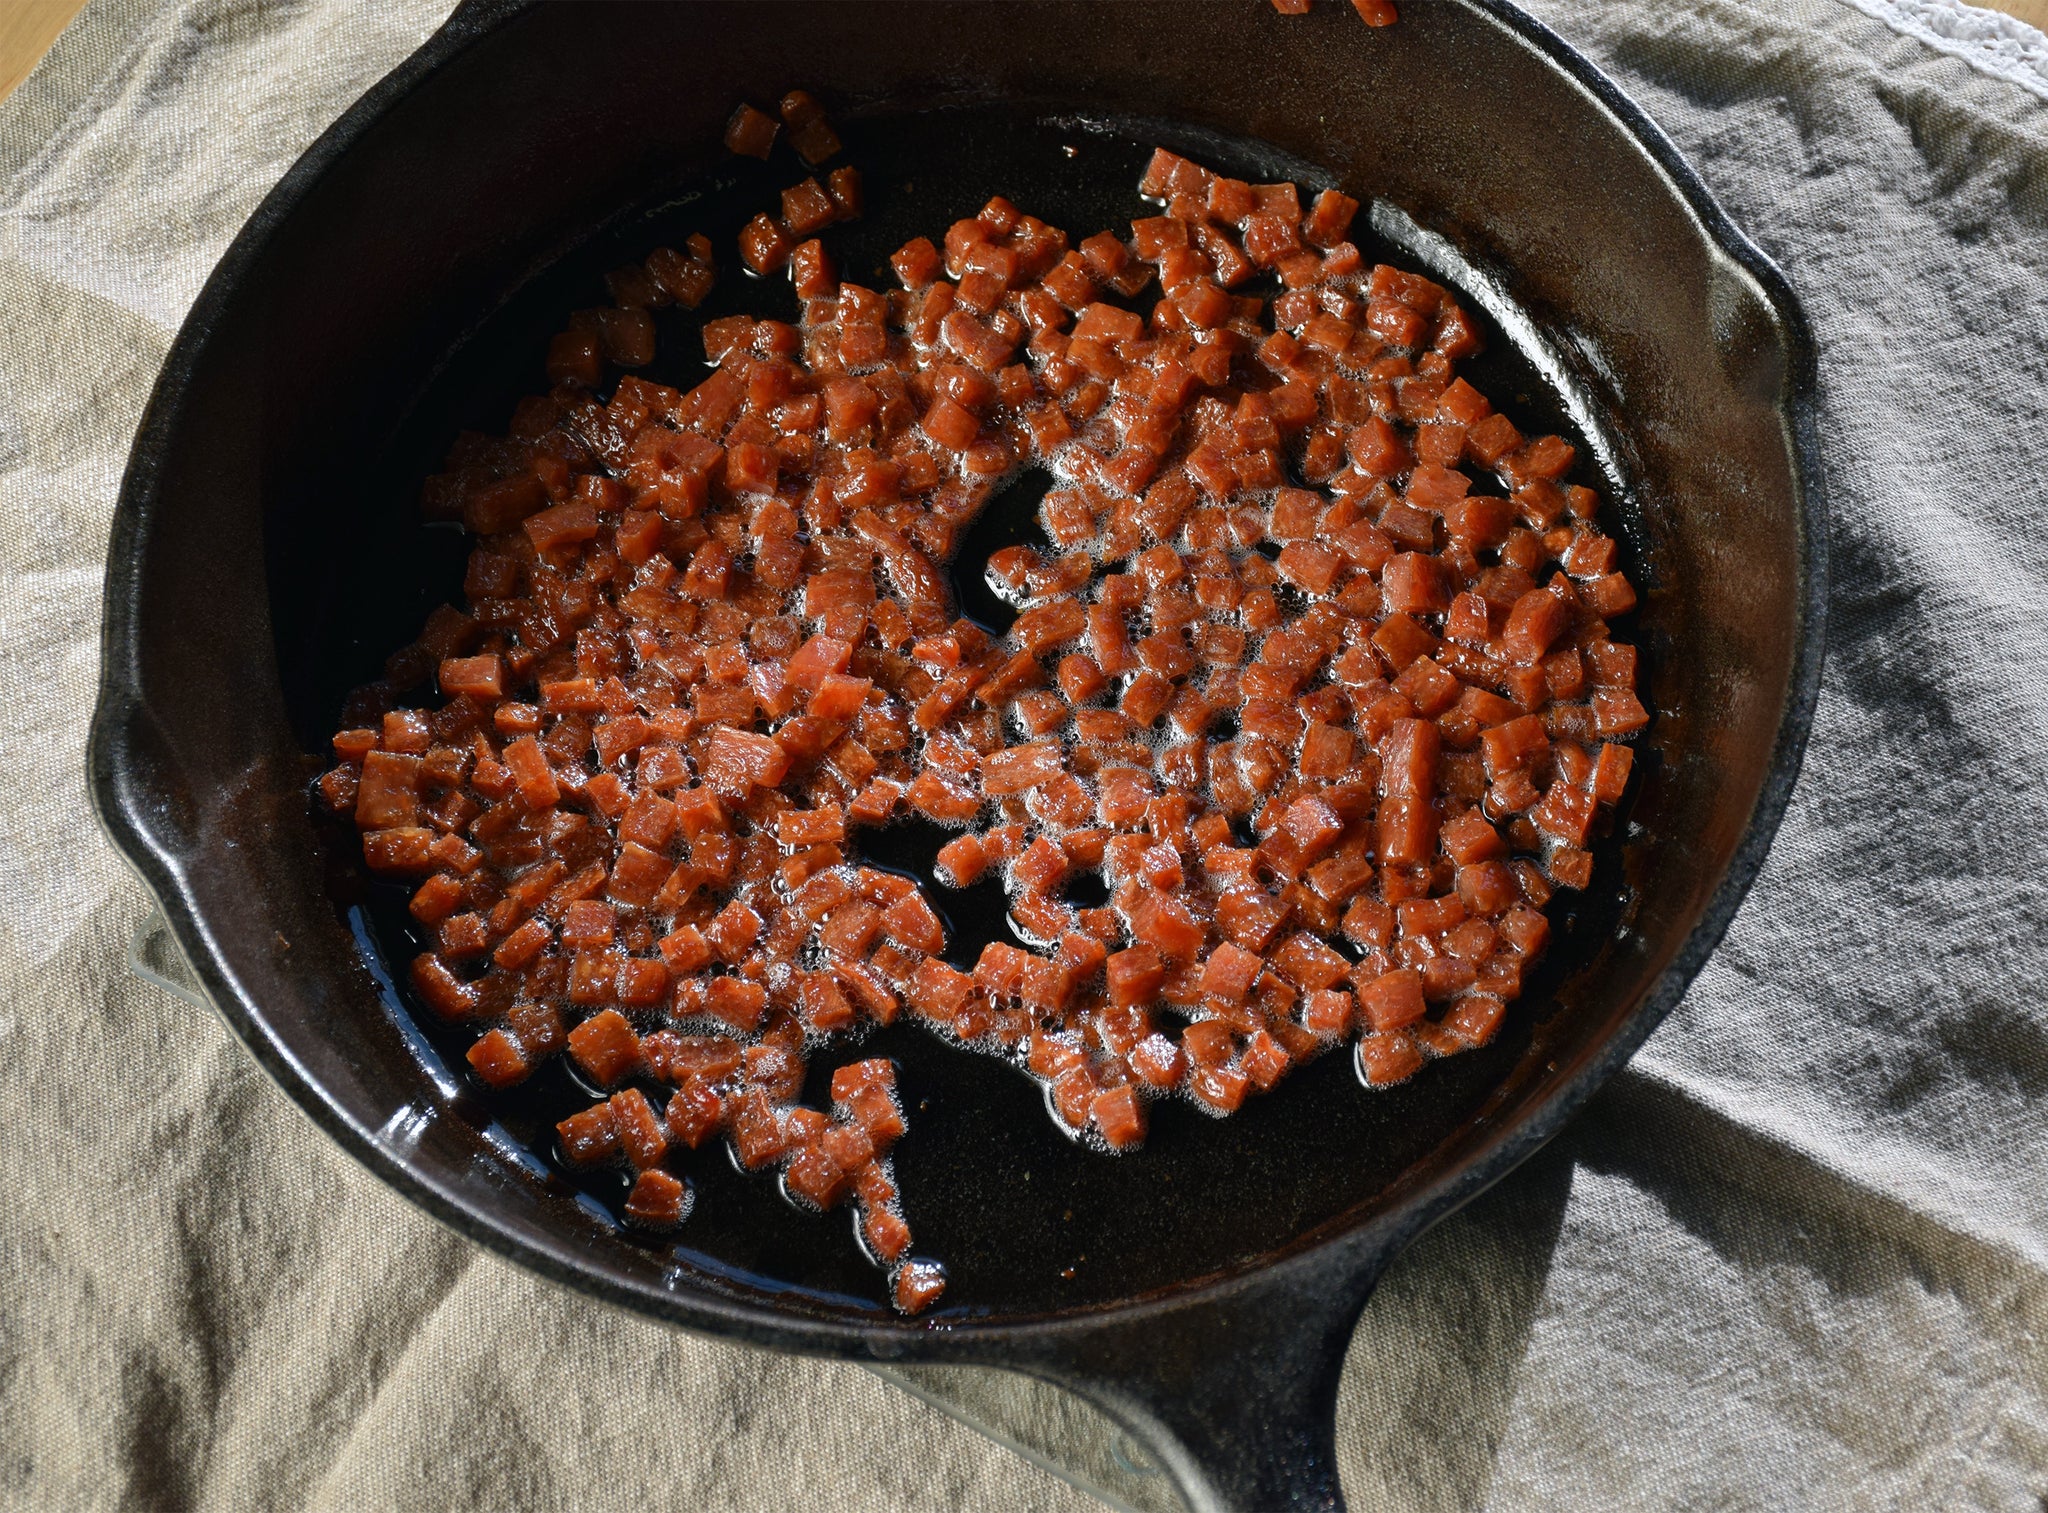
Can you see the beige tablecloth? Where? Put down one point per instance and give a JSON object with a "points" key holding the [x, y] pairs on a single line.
{"points": [[1796, 1257]]}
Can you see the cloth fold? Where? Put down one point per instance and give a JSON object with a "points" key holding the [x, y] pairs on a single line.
{"points": [[1795, 1256]]}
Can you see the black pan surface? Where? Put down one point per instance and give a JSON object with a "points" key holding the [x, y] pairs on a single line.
{"points": [[1027, 1220], [399, 285]]}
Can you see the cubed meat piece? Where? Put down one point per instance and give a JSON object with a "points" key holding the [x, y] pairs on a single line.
{"points": [[918, 1285], [658, 1200], [589, 1137], [606, 1047]]}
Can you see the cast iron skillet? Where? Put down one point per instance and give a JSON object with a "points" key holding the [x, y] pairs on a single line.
{"points": [[1202, 1292]]}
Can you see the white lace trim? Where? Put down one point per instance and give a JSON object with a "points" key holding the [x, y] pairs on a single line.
{"points": [[1990, 42]]}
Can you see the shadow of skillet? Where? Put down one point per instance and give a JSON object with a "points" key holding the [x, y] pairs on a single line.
{"points": [[1843, 1301], [1430, 1376], [1428, 1381], [1838, 1293]]}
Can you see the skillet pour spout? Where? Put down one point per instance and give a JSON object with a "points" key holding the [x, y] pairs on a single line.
{"points": [[417, 254]]}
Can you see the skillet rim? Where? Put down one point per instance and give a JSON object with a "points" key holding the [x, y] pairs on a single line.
{"points": [[1360, 1252]]}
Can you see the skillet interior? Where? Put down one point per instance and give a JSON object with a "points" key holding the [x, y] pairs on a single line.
{"points": [[1025, 1218], [301, 427]]}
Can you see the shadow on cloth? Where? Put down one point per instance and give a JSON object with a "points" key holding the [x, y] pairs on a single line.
{"points": [[1429, 1380], [1442, 1360]]}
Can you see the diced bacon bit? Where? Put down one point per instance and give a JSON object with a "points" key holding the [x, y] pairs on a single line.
{"points": [[810, 827], [1135, 975], [751, 132], [918, 1285], [765, 246], [440, 989], [589, 1137], [606, 1047], [1021, 768], [1537, 619], [480, 677], [1388, 1057], [710, 637], [402, 849], [684, 278], [939, 992], [809, 132], [1565, 813], [1618, 712], [659, 1200], [685, 950], [736, 1001], [1571, 867], [1221, 1089], [887, 1235], [876, 802], [1304, 959], [1119, 1117], [757, 1132], [387, 791], [1228, 974], [1393, 999], [823, 1004], [499, 1060], [640, 1131], [850, 1080], [1328, 1012], [695, 1112], [1610, 772], [1264, 1060]]}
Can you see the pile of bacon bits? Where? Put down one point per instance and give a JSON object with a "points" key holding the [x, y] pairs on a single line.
{"points": [[1317, 680], [771, 243]]}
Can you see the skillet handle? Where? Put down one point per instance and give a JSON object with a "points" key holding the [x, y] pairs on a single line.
{"points": [[1235, 1396]]}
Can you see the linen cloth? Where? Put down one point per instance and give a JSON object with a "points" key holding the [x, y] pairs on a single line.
{"points": [[1796, 1256]]}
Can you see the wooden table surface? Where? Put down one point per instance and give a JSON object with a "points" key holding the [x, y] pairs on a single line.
{"points": [[28, 27]]}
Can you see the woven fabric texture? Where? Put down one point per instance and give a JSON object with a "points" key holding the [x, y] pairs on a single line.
{"points": [[1796, 1256]]}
